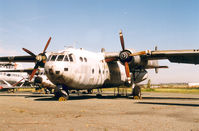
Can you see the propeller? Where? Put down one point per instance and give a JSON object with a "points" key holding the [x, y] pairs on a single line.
{"points": [[40, 59], [125, 56], [127, 70]]}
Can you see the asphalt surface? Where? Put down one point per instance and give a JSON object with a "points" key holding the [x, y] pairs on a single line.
{"points": [[156, 112]]}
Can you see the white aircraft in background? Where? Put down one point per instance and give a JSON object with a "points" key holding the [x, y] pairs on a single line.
{"points": [[12, 77], [15, 75], [78, 69], [10, 80]]}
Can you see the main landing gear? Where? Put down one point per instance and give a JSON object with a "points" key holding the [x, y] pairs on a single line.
{"points": [[61, 93], [136, 92]]}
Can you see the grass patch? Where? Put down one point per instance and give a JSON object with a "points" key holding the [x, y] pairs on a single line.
{"points": [[175, 90], [148, 89]]}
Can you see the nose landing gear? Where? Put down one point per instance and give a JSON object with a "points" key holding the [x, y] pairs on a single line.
{"points": [[61, 93]]}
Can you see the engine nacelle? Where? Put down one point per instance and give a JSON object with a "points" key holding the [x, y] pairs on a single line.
{"points": [[133, 61], [140, 76]]}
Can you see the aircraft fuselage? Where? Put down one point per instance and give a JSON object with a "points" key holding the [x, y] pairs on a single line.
{"points": [[81, 69]]}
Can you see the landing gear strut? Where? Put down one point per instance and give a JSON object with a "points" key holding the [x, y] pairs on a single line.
{"points": [[99, 93], [61, 93], [136, 92]]}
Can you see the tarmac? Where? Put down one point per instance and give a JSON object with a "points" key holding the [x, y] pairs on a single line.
{"points": [[155, 112]]}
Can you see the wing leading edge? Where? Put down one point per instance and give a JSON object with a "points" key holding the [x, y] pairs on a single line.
{"points": [[176, 56], [17, 59]]}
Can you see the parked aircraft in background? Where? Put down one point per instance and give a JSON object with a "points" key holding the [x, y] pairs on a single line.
{"points": [[78, 69], [40, 79], [10, 81], [12, 77]]}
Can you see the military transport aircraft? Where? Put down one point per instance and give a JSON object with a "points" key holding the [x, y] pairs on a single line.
{"points": [[76, 69]]}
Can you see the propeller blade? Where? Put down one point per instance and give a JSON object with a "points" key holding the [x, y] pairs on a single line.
{"points": [[138, 53], [17, 82], [110, 59], [29, 52], [122, 40], [127, 72], [33, 73], [47, 45]]}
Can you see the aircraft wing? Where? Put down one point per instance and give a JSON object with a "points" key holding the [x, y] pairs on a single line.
{"points": [[176, 56], [29, 71], [18, 59], [5, 86]]}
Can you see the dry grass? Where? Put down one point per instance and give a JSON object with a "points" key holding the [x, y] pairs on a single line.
{"points": [[174, 90]]}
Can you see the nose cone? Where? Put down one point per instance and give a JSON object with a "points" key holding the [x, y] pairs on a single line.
{"points": [[54, 73]]}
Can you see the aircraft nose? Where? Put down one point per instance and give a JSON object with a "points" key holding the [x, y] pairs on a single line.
{"points": [[51, 71], [54, 70]]}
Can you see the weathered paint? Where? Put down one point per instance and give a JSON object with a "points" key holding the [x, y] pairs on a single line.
{"points": [[81, 74]]}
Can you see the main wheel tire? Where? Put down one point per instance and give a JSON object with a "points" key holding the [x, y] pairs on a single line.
{"points": [[99, 95], [90, 91]]}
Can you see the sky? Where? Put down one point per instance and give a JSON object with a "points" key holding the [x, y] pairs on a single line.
{"points": [[95, 24]]}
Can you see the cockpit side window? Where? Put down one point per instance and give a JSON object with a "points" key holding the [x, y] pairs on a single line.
{"points": [[60, 57], [53, 58], [49, 57], [71, 57], [66, 58], [85, 59], [81, 59]]}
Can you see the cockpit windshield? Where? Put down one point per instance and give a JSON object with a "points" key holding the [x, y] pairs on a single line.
{"points": [[71, 57], [60, 57], [66, 58], [53, 58], [49, 57]]}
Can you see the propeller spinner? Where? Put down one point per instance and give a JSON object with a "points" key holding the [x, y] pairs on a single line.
{"points": [[40, 59]]}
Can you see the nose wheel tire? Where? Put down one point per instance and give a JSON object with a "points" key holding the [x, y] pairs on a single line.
{"points": [[61, 95], [137, 92], [62, 98]]}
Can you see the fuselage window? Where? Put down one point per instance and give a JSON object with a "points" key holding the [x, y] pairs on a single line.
{"points": [[53, 58], [66, 58], [49, 58], [8, 74], [81, 59], [71, 57], [85, 59], [60, 57]]}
